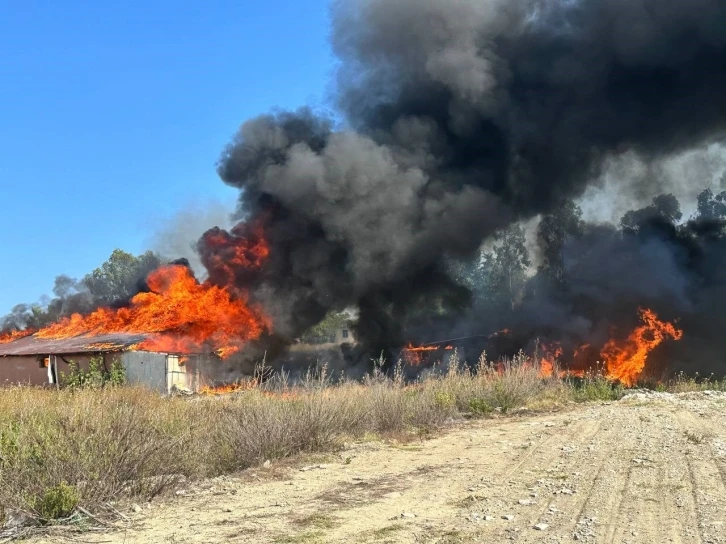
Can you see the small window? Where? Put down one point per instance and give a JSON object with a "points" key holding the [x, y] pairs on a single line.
{"points": [[345, 333]]}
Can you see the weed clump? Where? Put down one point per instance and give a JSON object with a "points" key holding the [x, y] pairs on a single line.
{"points": [[56, 502], [95, 376], [594, 386]]}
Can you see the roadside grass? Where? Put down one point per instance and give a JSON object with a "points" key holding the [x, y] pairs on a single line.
{"points": [[594, 386], [683, 383], [79, 450]]}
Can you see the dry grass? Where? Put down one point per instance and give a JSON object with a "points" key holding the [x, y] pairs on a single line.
{"points": [[70, 449], [683, 383]]}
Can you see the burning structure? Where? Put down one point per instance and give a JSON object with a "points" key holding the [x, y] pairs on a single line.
{"points": [[462, 120], [36, 361], [176, 333]]}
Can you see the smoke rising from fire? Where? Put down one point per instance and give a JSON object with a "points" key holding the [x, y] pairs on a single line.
{"points": [[176, 237], [460, 119], [463, 120]]}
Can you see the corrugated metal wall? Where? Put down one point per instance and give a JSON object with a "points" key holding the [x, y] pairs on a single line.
{"points": [[155, 371], [146, 369]]}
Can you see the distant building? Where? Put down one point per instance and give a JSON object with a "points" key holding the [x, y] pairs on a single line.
{"points": [[344, 335], [37, 361]]}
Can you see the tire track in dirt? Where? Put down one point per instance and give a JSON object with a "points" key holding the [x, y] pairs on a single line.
{"points": [[640, 501], [706, 473], [481, 507], [553, 478], [436, 497]]}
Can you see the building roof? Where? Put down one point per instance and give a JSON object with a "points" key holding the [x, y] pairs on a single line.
{"points": [[31, 345]]}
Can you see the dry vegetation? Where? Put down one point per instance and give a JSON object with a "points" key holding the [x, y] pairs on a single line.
{"points": [[72, 452]]}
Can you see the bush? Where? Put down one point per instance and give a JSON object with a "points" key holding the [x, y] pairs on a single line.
{"points": [[480, 407], [96, 376], [56, 502], [594, 386], [103, 444]]}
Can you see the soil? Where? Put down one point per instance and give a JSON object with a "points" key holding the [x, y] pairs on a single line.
{"points": [[650, 468]]}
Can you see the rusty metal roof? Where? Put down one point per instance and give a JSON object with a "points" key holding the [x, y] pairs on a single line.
{"points": [[31, 345]]}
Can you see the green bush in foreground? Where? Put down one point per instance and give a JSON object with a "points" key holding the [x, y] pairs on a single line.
{"points": [[96, 376], [56, 502], [595, 387]]}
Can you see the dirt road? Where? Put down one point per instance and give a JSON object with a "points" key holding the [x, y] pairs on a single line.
{"points": [[648, 469]]}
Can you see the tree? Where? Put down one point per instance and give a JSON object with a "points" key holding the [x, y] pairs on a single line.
{"points": [[119, 277], [469, 273], [325, 331], [504, 270], [553, 232], [664, 211], [710, 206]]}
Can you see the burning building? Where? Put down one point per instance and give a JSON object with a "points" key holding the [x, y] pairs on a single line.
{"points": [[37, 361], [179, 332]]}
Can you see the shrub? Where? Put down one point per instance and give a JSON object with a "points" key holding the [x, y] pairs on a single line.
{"points": [[595, 387], [444, 400], [480, 406], [56, 502], [96, 376]]}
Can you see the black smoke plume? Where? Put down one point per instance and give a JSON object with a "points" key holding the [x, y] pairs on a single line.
{"points": [[461, 118]]}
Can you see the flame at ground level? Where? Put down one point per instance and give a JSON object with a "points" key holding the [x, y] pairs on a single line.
{"points": [[180, 314], [549, 359], [413, 355], [625, 360], [229, 388]]}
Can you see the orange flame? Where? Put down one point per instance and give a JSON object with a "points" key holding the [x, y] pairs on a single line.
{"points": [[548, 359], [413, 355], [104, 346], [229, 388], [243, 248], [546, 368], [181, 315], [626, 359], [14, 335], [420, 348]]}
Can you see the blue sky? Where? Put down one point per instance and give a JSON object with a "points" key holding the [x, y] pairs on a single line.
{"points": [[113, 115]]}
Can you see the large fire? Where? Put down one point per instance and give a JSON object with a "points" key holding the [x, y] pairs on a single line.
{"points": [[181, 315], [625, 360], [14, 335], [231, 254]]}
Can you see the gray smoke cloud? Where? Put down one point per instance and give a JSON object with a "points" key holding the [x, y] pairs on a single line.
{"points": [[176, 237], [460, 117], [629, 181]]}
